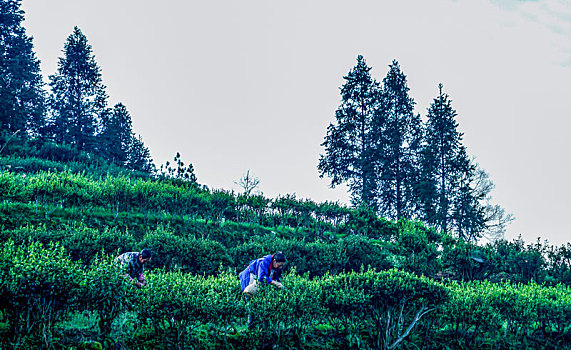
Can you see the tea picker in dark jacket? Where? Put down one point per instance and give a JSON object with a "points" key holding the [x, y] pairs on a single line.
{"points": [[134, 263], [267, 269]]}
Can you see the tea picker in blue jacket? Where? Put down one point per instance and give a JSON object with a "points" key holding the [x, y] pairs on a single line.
{"points": [[267, 269]]}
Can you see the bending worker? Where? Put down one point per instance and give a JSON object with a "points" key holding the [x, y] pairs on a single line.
{"points": [[134, 263], [267, 269]]}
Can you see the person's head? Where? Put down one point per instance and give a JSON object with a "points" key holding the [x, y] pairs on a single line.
{"points": [[278, 260], [145, 255]]}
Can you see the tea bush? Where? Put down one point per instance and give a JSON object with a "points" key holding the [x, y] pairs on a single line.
{"points": [[39, 287], [198, 256], [387, 304], [104, 291], [176, 303], [81, 242], [341, 290], [416, 248], [289, 315], [513, 315]]}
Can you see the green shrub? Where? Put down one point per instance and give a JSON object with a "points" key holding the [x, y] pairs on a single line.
{"points": [[388, 304], [559, 264], [364, 221], [417, 248], [81, 242], [469, 314], [288, 316], [316, 258], [522, 263], [199, 256], [105, 291], [175, 303], [39, 286], [85, 243], [515, 315]]}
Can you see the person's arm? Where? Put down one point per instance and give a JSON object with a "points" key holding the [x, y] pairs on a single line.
{"points": [[131, 275], [278, 275], [277, 278], [141, 280], [131, 270], [277, 284], [263, 275]]}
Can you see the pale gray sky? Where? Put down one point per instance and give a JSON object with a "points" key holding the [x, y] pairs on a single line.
{"points": [[237, 84]]}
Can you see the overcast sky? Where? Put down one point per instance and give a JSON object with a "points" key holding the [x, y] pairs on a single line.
{"points": [[237, 85]]}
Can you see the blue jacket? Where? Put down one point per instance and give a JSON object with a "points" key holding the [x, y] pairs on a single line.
{"points": [[262, 268]]}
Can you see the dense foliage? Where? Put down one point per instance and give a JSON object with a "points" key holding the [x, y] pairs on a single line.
{"points": [[50, 300], [75, 112], [353, 280]]}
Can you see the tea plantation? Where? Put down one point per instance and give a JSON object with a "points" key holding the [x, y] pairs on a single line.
{"points": [[353, 280]]}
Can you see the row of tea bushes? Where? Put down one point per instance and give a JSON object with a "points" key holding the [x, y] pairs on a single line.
{"points": [[515, 315], [41, 287], [204, 256], [415, 248], [147, 195]]}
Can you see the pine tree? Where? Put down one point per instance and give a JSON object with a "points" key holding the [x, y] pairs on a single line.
{"points": [[21, 86], [180, 173], [467, 213], [454, 191], [116, 135], [441, 162], [349, 143], [78, 97], [397, 155], [139, 157]]}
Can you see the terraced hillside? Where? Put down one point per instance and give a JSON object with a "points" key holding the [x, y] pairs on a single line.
{"points": [[353, 280]]}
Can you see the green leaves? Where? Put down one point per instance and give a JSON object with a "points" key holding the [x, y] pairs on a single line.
{"points": [[78, 99], [345, 295], [187, 299], [516, 312], [188, 254], [40, 285]]}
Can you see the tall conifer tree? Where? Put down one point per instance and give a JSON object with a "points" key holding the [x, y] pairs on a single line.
{"points": [[467, 212], [442, 162], [454, 191], [118, 143], [21, 87], [398, 153], [139, 157], [116, 135], [349, 143], [78, 96]]}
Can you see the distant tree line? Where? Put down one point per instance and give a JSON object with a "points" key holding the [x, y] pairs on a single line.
{"points": [[402, 167], [75, 111]]}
